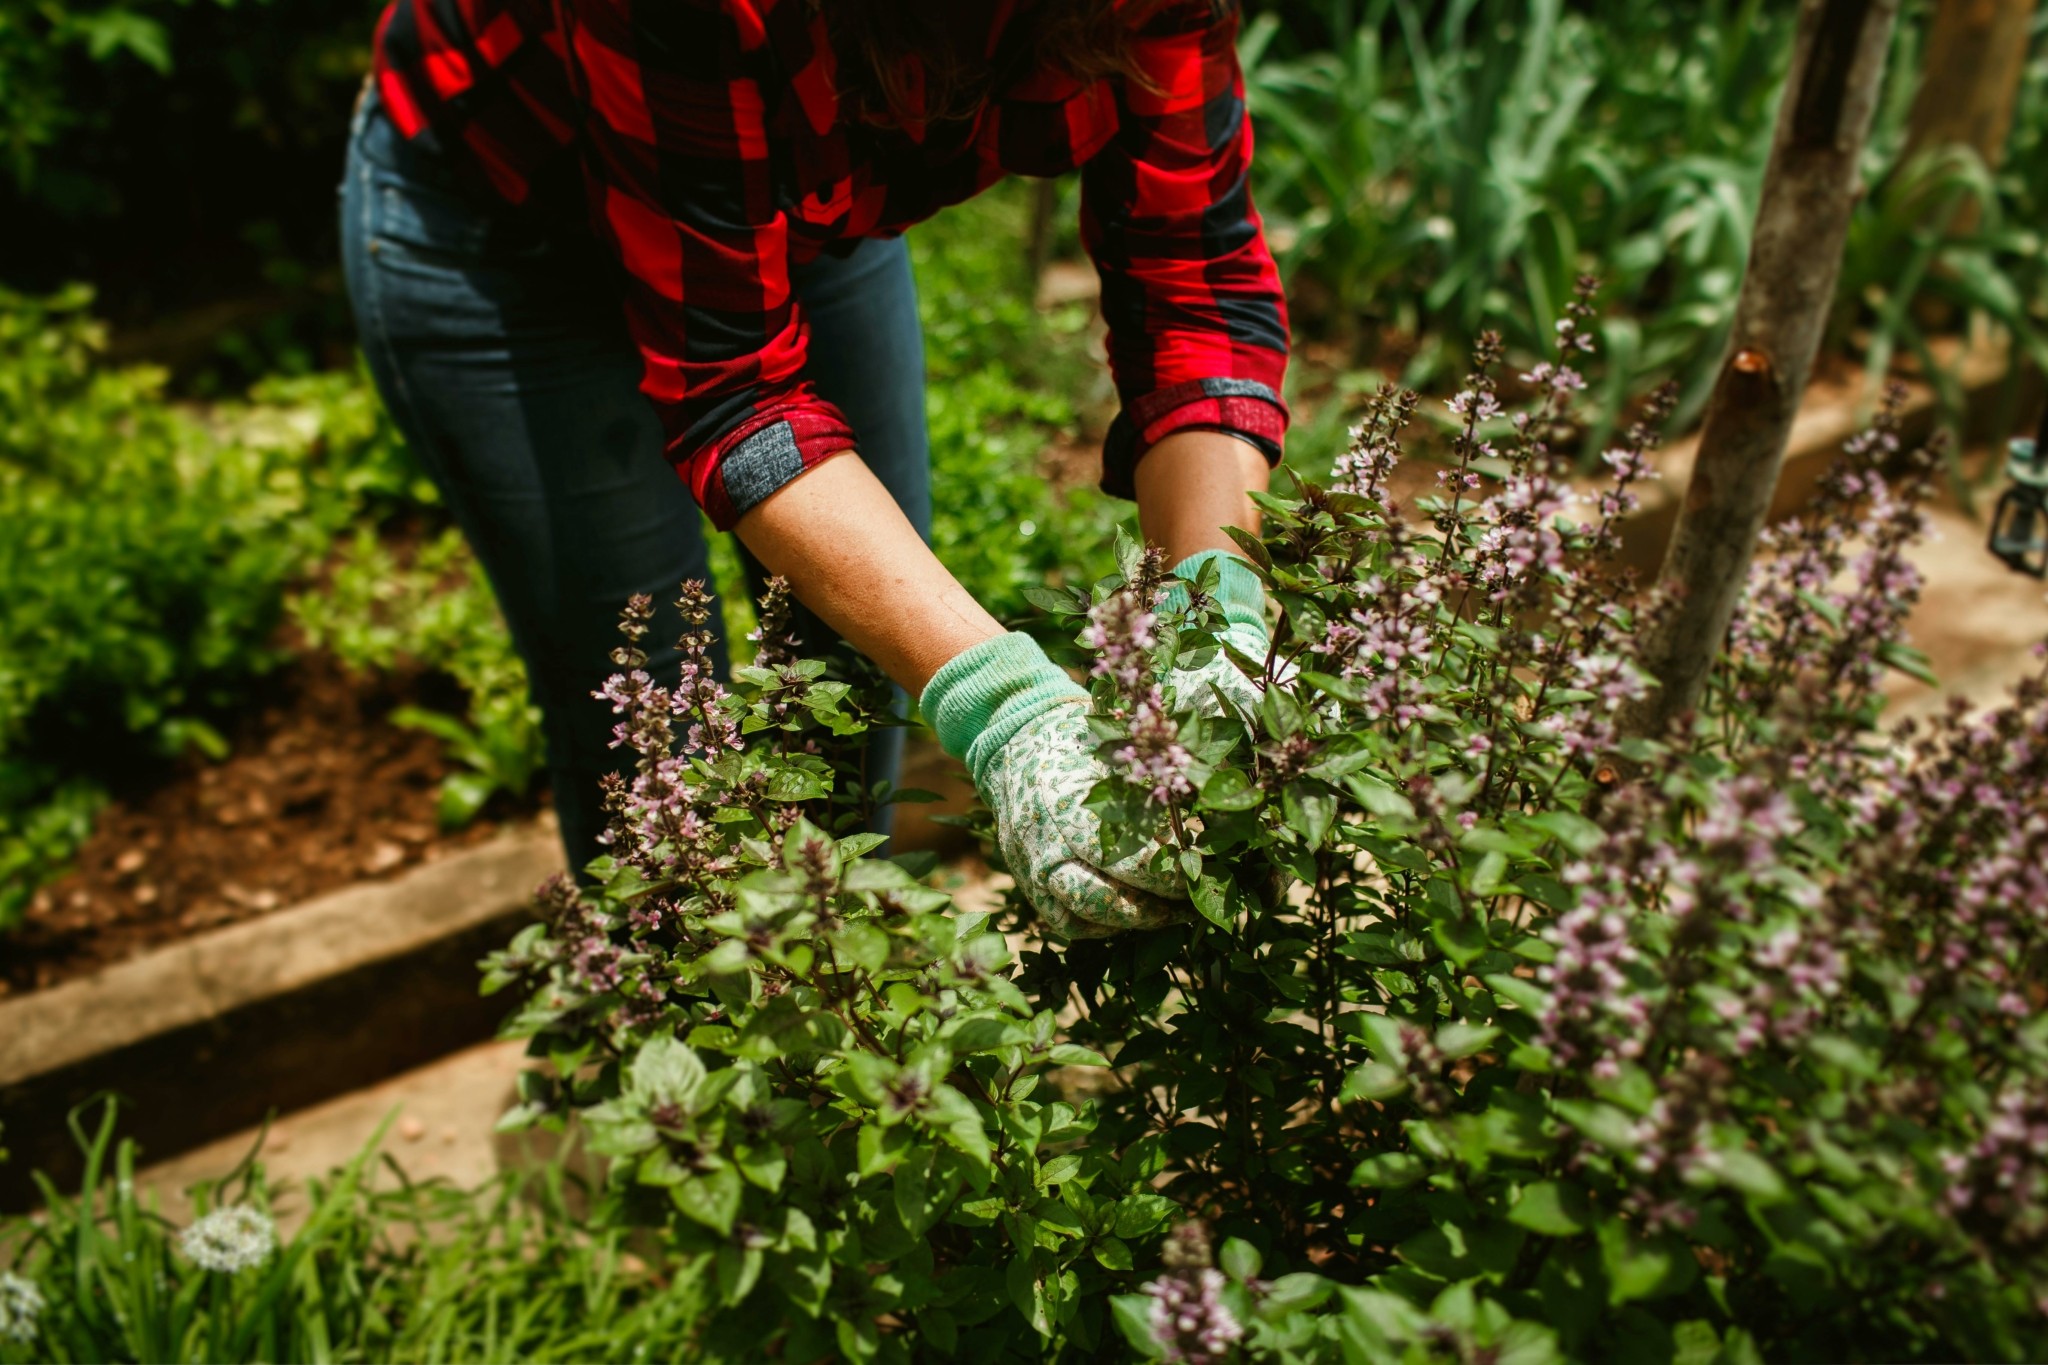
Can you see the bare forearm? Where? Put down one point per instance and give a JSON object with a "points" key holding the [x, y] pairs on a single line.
{"points": [[851, 556], [1193, 484]]}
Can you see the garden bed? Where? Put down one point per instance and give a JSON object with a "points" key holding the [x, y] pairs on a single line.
{"points": [[319, 791]]}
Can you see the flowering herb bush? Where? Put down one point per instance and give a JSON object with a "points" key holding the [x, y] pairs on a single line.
{"points": [[1492, 1033]]}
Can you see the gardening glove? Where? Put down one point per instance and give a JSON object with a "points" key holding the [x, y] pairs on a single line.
{"points": [[1021, 725], [1243, 601]]}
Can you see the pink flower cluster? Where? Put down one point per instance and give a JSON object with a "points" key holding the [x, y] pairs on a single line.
{"points": [[1189, 1320], [1122, 629]]}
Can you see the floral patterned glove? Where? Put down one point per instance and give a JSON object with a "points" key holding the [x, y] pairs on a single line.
{"points": [[1243, 600], [1022, 726]]}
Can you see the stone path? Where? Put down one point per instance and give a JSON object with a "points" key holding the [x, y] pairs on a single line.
{"points": [[1977, 620], [445, 1113]]}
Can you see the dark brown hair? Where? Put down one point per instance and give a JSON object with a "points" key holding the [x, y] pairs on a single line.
{"points": [[885, 45]]}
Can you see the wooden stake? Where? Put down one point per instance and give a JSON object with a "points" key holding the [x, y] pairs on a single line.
{"points": [[1970, 80], [1802, 221]]}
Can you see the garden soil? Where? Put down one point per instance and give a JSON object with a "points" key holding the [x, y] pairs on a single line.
{"points": [[320, 791]]}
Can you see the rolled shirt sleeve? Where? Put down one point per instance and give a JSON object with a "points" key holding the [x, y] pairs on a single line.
{"points": [[1192, 298], [677, 165]]}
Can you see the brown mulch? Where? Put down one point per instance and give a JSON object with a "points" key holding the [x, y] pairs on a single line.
{"points": [[320, 791]]}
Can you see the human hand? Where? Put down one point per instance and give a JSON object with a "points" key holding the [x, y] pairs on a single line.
{"points": [[1037, 785], [1022, 726], [1243, 601]]}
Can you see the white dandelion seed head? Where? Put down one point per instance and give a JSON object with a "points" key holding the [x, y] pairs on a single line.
{"points": [[230, 1239], [21, 1304]]}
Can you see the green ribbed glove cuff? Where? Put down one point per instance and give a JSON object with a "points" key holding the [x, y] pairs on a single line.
{"points": [[1238, 590], [985, 695]]}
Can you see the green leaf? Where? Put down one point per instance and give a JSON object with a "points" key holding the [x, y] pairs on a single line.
{"points": [[912, 1196], [1390, 1171], [1638, 1269], [1027, 1293], [1821, 607], [1343, 689], [1310, 808], [880, 1146], [1462, 940], [1695, 1343], [1058, 601], [1139, 1214], [1133, 1316], [873, 876], [1281, 714], [1212, 897], [1574, 831], [1254, 548], [1113, 1253], [737, 1272], [1612, 1128], [984, 1033], [1487, 877], [1552, 1208], [862, 945], [1228, 789], [1372, 1081], [1744, 1171], [1525, 996], [666, 1071], [463, 797], [1463, 1040], [1295, 1293], [1239, 1259], [1379, 799], [788, 786], [1527, 1343], [1909, 661], [956, 1120], [712, 1199], [1304, 614], [124, 30], [762, 1166]]}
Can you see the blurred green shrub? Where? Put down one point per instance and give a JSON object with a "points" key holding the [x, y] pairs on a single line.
{"points": [[181, 155], [1443, 168], [377, 614], [145, 550]]}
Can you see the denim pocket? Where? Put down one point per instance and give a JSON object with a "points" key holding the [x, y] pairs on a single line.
{"points": [[449, 225]]}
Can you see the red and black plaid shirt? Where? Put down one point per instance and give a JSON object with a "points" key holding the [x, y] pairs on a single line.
{"points": [[714, 154]]}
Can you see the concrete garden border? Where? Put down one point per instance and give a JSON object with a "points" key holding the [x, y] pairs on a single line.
{"points": [[211, 1034]]}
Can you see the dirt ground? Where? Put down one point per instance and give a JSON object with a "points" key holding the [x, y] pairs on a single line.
{"points": [[320, 791]]}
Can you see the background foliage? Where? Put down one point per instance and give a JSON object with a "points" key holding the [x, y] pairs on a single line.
{"points": [[1434, 1176], [1425, 168], [146, 553]]}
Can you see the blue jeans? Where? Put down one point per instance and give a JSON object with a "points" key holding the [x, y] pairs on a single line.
{"points": [[497, 338]]}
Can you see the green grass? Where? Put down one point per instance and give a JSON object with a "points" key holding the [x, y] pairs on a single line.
{"points": [[390, 1270]]}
